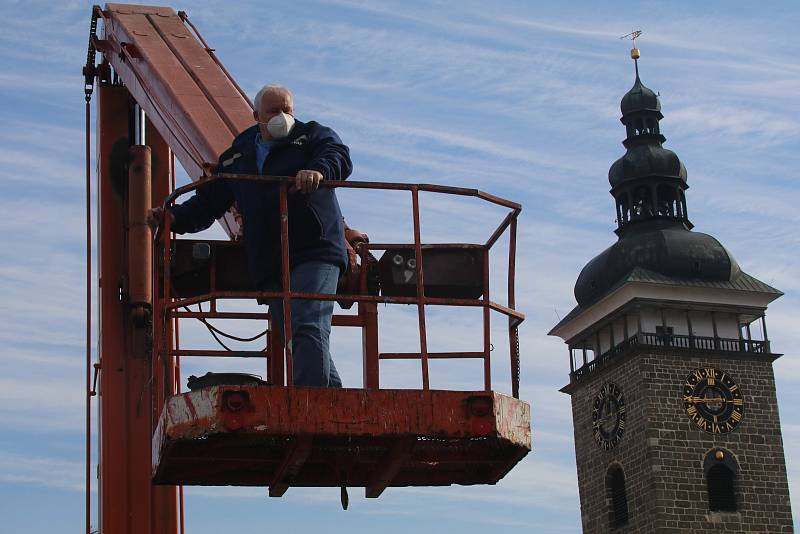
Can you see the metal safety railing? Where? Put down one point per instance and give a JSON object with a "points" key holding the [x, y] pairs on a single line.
{"points": [[279, 351]]}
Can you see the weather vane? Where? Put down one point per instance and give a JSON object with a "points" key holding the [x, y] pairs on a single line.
{"points": [[635, 54]]}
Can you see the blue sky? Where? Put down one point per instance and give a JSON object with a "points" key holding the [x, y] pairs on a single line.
{"points": [[519, 99]]}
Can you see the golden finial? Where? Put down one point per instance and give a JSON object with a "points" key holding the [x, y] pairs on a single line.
{"points": [[635, 53], [720, 455]]}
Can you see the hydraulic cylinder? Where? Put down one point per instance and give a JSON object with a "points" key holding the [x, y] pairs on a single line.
{"points": [[140, 250]]}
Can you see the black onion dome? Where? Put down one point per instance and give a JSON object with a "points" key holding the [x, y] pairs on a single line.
{"points": [[646, 160], [673, 252], [639, 98]]}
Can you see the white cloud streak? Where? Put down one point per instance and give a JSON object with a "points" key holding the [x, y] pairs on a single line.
{"points": [[41, 471]]}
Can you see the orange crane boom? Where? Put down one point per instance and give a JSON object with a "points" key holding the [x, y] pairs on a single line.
{"points": [[189, 97]]}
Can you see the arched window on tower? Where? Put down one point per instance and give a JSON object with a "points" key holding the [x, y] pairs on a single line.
{"points": [[682, 200], [642, 204], [721, 469], [624, 209], [667, 201], [678, 203], [617, 496]]}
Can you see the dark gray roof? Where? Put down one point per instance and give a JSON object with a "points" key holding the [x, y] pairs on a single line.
{"points": [[567, 318], [639, 98], [742, 282], [660, 246], [646, 160]]}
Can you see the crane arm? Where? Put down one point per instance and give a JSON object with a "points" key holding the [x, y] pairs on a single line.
{"points": [[185, 92]]}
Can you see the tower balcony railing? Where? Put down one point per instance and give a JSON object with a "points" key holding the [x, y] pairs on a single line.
{"points": [[672, 341]]}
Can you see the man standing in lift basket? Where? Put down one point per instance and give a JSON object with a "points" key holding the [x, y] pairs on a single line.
{"points": [[280, 145]]}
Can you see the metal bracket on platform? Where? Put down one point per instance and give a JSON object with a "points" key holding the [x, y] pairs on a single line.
{"points": [[292, 463], [394, 460]]}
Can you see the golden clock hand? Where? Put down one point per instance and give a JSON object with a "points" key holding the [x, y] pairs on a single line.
{"points": [[706, 400]]}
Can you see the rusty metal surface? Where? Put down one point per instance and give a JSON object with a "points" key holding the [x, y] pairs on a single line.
{"points": [[166, 506], [196, 281], [423, 335], [187, 95], [114, 452], [194, 97], [129, 504], [456, 437]]}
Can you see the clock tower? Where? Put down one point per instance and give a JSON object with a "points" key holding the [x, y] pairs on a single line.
{"points": [[673, 392]]}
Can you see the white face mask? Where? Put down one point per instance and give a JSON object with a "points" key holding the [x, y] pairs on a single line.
{"points": [[280, 125]]}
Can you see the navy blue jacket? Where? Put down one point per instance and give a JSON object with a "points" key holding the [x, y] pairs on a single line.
{"points": [[316, 230]]}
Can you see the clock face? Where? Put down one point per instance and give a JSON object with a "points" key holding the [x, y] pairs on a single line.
{"points": [[713, 400], [608, 416]]}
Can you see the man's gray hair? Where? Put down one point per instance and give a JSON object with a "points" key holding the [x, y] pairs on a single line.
{"points": [[273, 89]]}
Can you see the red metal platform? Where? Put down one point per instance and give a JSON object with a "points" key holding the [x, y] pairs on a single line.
{"points": [[292, 436]]}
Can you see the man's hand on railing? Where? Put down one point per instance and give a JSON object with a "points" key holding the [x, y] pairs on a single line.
{"points": [[155, 216], [306, 181]]}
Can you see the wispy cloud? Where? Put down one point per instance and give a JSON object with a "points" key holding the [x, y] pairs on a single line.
{"points": [[48, 405], [41, 471], [744, 124], [12, 81]]}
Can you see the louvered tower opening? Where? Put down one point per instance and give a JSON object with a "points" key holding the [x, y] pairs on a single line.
{"points": [[721, 491], [618, 512]]}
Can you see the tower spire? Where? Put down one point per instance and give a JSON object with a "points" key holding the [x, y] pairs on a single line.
{"points": [[649, 181], [635, 52]]}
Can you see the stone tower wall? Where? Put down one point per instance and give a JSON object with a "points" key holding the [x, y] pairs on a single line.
{"points": [[662, 451]]}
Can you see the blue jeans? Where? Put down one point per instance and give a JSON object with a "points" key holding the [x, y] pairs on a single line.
{"points": [[311, 324]]}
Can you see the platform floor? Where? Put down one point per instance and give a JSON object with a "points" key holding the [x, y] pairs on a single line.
{"points": [[282, 437]]}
